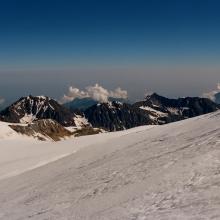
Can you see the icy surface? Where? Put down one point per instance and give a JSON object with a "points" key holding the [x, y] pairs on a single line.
{"points": [[161, 172]]}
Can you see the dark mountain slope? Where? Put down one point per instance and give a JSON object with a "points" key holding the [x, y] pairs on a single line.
{"points": [[113, 116]]}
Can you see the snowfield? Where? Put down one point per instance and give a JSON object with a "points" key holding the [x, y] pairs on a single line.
{"points": [[151, 172], [20, 153]]}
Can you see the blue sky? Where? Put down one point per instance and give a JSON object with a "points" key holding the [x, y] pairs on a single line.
{"points": [[171, 46]]}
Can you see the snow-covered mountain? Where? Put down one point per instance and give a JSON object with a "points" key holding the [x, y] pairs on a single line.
{"points": [[30, 108], [149, 172], [114, 116], [164, 110]]}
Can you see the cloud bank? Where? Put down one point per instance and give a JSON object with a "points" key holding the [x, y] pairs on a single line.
{"points": [[95, 92], [211, 94]]}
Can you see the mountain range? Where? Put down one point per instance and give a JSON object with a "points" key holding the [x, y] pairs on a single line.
{"points": [[110, 116], [155, 109], [164, 110]]}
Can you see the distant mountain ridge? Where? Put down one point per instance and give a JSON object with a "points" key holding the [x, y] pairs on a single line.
{"points": [[84, 103], [164, 110], [80, 104], [154, 110], [110, 116]]}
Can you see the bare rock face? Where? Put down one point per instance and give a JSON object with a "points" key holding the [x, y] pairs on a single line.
{"points": [[30, 108], [45, 129]]}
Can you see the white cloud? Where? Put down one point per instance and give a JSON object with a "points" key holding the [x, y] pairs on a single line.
{"points": [[98, 93], [2, 101], [72, 94], [211, 94], [95, 92], [119, 93]]}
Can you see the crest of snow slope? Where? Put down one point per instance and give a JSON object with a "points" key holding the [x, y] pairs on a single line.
{"points": [[164, 172], [7, 133]]}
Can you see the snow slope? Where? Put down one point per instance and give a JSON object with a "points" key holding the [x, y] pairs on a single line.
{"points": [[6, 132], [19, 153], [162, 172]]}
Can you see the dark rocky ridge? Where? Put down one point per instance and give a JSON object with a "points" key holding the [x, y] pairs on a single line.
{"points": [[114, 116]]}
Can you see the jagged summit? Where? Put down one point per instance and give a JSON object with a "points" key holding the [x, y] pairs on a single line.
{"points": [[31, 108], [165, 110]]}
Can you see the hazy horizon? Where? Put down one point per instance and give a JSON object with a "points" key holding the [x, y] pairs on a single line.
{"points": [[168, 47]]}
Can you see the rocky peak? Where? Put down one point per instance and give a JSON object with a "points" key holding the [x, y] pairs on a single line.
{"points": [[31, 108], [164, 110]]}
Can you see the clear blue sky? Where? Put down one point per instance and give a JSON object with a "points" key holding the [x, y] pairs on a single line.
{"points": [[171, 47]]}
